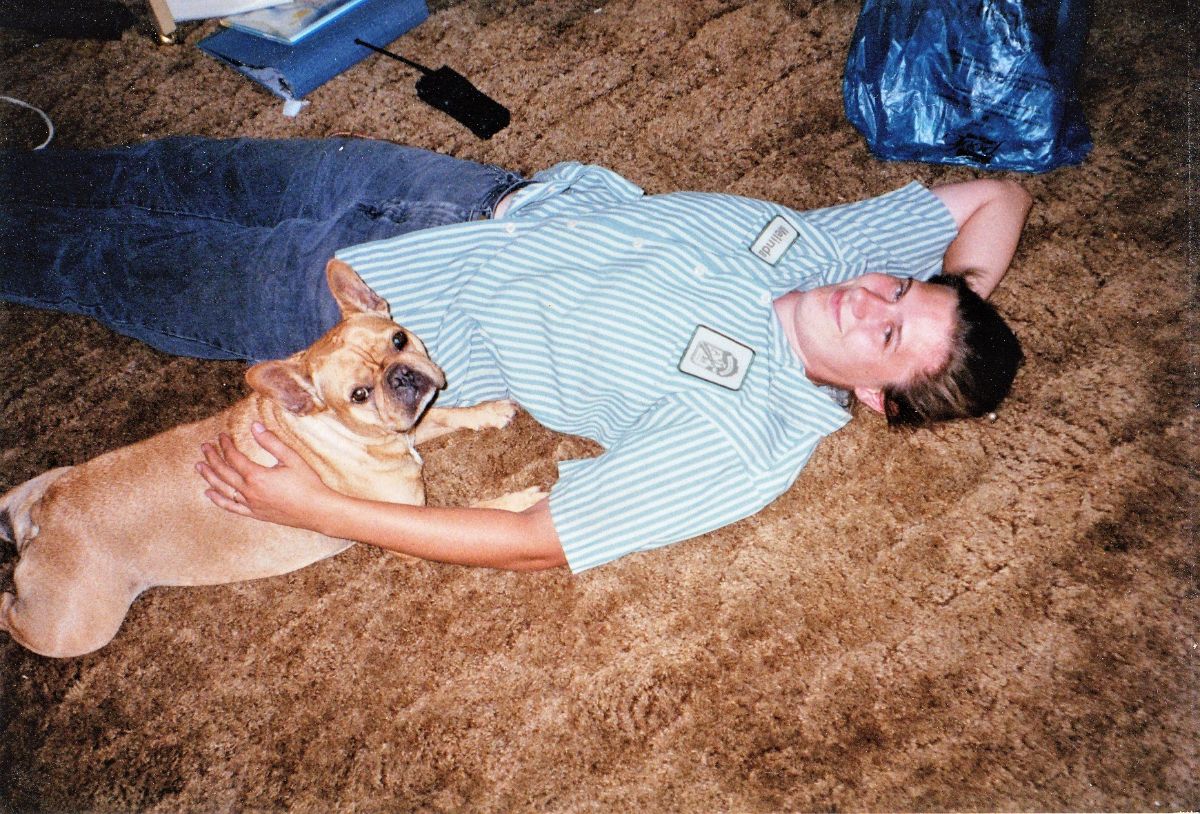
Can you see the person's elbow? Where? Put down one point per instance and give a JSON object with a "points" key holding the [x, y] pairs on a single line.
{"points": [[537, 547], [532, 563], [1007, 189], [1017, 196], [539, 556], [965, 200]]}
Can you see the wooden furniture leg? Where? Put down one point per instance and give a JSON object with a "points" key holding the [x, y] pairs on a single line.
{"points": [[164, 23]]}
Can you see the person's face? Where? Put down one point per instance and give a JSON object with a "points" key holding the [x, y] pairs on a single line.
{"points": [[871, 332]]}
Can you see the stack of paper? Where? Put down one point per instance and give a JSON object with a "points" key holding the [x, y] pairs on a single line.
{"points": [[290, 22], [184, 10]]}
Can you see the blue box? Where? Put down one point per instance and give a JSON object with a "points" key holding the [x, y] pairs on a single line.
{"points": [[293, 71]]}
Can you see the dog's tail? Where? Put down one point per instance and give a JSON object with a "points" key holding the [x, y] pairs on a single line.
{"points": [[16, 524]]}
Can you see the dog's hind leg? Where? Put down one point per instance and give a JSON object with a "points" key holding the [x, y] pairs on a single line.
{"points": [[45, 634], [10, 621], [69, 598], [16, 524], [65, 604], [50, 634]]}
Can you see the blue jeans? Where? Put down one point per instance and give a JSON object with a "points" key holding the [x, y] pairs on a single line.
{"points": [[217, 249]]}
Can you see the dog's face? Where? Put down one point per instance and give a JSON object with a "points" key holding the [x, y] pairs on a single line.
{"points": [[369, 373]]}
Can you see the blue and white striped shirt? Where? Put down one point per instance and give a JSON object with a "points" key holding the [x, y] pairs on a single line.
{"points": [[579, 303]]}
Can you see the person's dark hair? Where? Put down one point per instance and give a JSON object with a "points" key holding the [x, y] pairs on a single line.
{"points": [[984, 358]]}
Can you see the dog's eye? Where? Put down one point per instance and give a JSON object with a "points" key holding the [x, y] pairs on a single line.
{"points": [[400, 340], [360, 394]]}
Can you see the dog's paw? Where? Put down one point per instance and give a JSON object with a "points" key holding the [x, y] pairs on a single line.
{"points": [[514, 501], [497, 414]]}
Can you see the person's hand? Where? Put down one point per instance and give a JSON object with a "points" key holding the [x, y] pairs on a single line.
{"points": [[288, 493]]}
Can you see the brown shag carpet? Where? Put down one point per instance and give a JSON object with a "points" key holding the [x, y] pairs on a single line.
{"points": [[984, 616]]}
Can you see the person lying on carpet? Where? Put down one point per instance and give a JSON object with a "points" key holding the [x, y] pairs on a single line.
{"points": [[708, 342]]}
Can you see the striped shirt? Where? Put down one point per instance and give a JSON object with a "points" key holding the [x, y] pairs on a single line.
{"points": [[579, 303]]}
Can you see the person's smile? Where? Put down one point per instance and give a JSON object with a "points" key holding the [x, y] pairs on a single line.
{"points": [[835, 306], [870, 332]]}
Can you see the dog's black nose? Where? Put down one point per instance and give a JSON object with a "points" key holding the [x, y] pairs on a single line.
{"points": [[403, 377]]}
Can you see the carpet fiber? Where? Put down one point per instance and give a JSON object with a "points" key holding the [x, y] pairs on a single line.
{"points": [[988, 615]]}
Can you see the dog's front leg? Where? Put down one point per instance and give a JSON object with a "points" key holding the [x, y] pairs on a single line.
{"points": [[440, 420], [514, 501]]}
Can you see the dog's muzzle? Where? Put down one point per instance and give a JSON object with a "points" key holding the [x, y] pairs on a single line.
{"points": [[408, 385]]}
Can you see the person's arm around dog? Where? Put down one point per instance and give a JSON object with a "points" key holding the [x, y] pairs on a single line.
{"points": [[292, 494]]}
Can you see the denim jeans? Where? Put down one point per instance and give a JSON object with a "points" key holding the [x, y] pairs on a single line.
{"points": [[217, 249]]}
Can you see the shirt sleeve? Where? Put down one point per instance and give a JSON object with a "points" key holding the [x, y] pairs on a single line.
{"points": [[673, 476], [904, 232]]}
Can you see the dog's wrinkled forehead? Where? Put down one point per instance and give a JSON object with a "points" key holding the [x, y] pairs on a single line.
{"points": [[376, 336], [364, 345]]}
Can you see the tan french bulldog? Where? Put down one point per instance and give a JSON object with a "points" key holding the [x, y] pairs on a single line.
{"points": [[92, 537]]}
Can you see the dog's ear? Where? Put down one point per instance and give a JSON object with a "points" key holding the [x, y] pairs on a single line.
{"points": [[283, 380], [352, 294]]}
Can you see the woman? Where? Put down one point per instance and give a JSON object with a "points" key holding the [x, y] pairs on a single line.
{"points": [[708, 342]]}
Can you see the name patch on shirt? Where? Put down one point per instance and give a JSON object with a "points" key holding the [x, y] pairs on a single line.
{"points": [[716, 358], [774, 240]]}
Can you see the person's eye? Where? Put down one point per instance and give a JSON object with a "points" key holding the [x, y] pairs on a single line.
{"points": [[902, 289], [360, 394], [888, 332]]}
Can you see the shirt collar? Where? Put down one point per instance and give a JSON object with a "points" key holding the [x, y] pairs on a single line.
{"points": [[795, 398]]}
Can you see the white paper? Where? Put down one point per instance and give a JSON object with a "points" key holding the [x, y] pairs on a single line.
{"points": [[183, 10]]}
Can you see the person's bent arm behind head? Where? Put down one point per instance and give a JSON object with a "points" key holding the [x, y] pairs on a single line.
{"points": [[990, 215], [985, 354]]}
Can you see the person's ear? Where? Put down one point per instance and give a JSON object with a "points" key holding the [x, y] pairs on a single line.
{"points": [[872, 397]]}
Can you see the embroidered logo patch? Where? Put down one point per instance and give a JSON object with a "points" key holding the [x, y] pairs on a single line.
{"points": [[716, 358], [774, 240]]}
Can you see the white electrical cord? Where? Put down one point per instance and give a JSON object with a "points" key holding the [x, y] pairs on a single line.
{"points": [[37, 110]]}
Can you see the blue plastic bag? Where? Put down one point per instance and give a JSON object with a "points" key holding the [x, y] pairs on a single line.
{"points": [[987, 83]]}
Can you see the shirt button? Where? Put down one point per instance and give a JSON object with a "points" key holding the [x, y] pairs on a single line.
{"points": [[511, 228], [700, 271], [573, 224], [764, 298], [638, 243]]}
